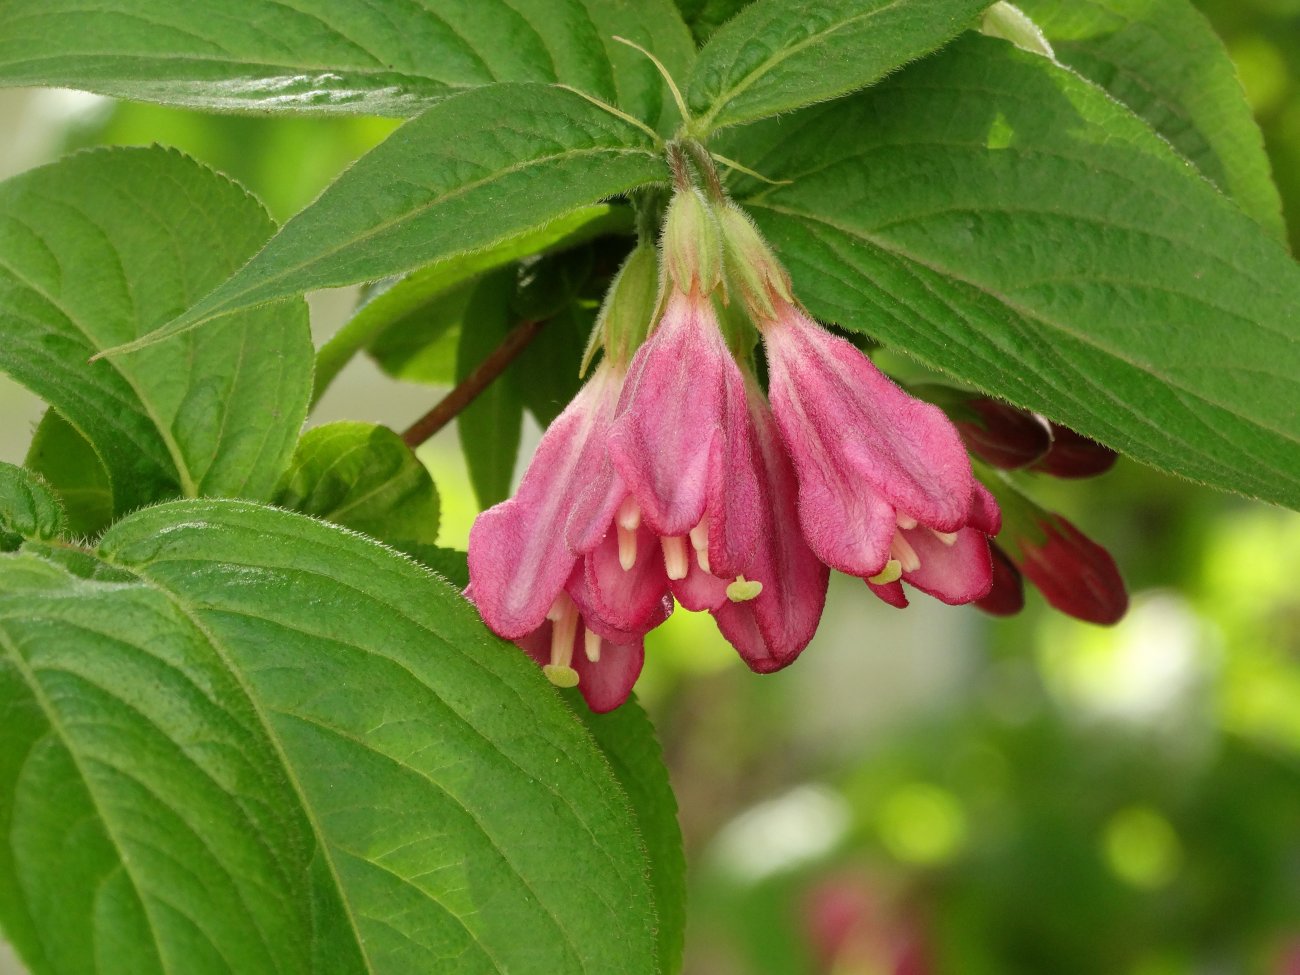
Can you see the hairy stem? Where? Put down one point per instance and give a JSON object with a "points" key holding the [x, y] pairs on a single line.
{"points": [[469, 388]]}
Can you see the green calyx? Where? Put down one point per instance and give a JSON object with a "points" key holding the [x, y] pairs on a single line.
{"points": [[752, 268], [692, 248], [628, 310]]}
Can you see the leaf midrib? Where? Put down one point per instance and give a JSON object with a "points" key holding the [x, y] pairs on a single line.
{"points": [[727, 97], [186, 322]]}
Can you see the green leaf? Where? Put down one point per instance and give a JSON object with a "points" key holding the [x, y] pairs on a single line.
{"points": [[778, 55], [104, 246], [420, 347], [704, 17], [628, 740], [362, 476], [545, 376], [1032, 237], [247, 741], [336, 55], [491, 426], [402, 306], [1162, 59], [28, 509], [469, 173], [69, 465]]}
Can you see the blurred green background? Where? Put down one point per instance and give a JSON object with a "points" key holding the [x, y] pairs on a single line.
{"points": [[931, 791]]}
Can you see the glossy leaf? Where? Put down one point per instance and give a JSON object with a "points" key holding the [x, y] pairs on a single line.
{"points": [[101, 248], [779, 55], [70, 466], [403, 305], [362, 476], [338, 56], [240, 740], [628, 740], [445, 184], [491, 426], [1162, 60], [28, 509], [1034, 238]]}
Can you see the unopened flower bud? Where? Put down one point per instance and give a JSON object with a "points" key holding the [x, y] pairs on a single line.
{"points": [[1007, 596], [628, 310], [999, 433], [1073, 455]]}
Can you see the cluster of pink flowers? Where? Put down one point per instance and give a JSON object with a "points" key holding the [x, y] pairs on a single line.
{"points": [[673, 478]]}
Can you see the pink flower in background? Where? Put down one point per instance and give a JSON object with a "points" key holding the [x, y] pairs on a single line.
{"points": [[885, 485], [1074, 573]]}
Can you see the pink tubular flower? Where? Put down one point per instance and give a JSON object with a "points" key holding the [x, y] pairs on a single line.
{"points": [[529, 585], [885, 484], [681, 444], [771, 629]]}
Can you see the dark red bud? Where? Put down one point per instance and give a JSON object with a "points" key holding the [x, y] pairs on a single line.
{"points": [[1074, 573], [1074, 455], [1007, 597], [1002, 434]]}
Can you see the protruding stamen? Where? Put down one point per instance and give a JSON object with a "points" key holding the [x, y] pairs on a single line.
{"points": [[626, 547], [560, 676], [742, 590], [564, 629], [905, 521], [700, 542], [591, 646], [948, 538], [629, 514], [902, 550], [892, 572], [675, 557]]}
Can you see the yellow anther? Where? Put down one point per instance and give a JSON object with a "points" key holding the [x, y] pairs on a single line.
{"points": [[892, 572], [742, 590], [675, 557], [560, 676]]}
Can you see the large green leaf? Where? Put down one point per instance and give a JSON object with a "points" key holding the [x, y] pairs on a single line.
{"points": [[1162, 60], [28, 509], [628, 740], [778, 55], [704, 17], [338, 55], [241, 740], [1032, 237], [105, 246], [69, 465], [402, 305], [362, 476], [469, 173]]}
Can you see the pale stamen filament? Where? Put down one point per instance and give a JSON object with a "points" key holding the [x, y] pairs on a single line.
{"points": [[905, 521], [700, 542], [675, 560], [564, 629], [591, 646], [626, 547], [902, 550], [948, 538]]}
